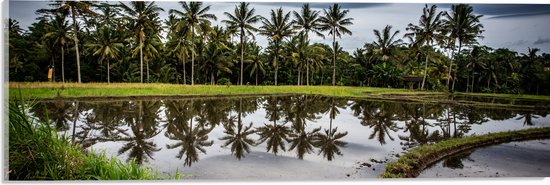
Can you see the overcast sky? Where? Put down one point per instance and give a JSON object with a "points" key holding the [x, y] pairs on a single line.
{"points": [[513, 26]]}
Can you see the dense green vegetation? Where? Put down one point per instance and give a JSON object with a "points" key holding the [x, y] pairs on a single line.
{"points": [[36, 152], [128, 42], [415, 160]]}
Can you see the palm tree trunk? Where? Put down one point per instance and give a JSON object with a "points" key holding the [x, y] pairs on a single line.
{"points": [[192, 56], [307, 74], [299, 74], [454, 79], [63, 63], [451, 66], [108, 72], [425, 70], [333, 58], [183, 62], [141, 57], [473, 79], [256, 78], [147, 64], [76, 43], [242, 54], [212, 78], [276, 67]]}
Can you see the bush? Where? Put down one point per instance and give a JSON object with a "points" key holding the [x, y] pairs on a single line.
{"points": [[37, 153], [223, 81]]}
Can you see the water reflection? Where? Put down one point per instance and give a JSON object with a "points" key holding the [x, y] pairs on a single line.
{"points": [[302, 126]]}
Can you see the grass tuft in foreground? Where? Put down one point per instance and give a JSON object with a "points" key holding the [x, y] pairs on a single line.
{"points": [[417, 159], [37, 153]]}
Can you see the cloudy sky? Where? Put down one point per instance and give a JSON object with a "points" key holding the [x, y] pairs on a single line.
{"points": [[513, 26]]}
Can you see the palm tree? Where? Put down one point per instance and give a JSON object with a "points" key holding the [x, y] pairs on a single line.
{"points": [[463, 26], [256, 65], [76, 8], [276, 29], [385, 43], [242, 19], [335, 22], [140, 15], [178, 35], [308, 21], [107, 47], [428, 29], [196, 17], [59, 32]]}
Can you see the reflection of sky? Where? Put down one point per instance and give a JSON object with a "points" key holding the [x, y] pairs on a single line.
{"points": [[359, 149], [513, 26]]}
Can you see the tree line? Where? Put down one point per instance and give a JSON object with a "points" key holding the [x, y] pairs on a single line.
{"points": [[88, 41]]}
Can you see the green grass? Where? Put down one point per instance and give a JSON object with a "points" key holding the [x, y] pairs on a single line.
{"points": [[52, 90], [512, 96], [415, 160], [36, 152]]}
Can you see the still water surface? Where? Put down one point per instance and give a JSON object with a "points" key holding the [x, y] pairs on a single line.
{"points": [[299, 137]]}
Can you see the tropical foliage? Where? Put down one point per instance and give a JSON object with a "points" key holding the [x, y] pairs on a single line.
{"points": [[129, 42]]}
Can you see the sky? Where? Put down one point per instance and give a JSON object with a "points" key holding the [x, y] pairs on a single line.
{"points": [[514, 26]]}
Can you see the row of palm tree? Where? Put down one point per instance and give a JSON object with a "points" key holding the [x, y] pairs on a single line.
{"points": [[120, 33]]}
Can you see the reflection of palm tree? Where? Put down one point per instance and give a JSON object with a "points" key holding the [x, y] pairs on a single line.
{"points": [[58, 112], [299, 112], [190, 139], [275, 135], [528, 118], [382, 124], [143, 126], [303, 142], [329, 142], [238, 139]]}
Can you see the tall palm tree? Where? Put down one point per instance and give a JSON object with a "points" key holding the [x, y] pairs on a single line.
{"points": [[59, 32], [335, 22], [107, 47], [76, 8], [276, 29], [197, 18], [178, 40], [140, 15], [463, 26], [428, 30], [308, 21], [242, 19], [385, 42]]}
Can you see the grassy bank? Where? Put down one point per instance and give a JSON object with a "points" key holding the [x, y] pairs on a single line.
{"points": [[37, 153], [42, 90], [417, 159], [52, 90]]}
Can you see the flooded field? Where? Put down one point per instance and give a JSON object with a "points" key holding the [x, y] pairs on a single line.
{"points": [[271, 137]]}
